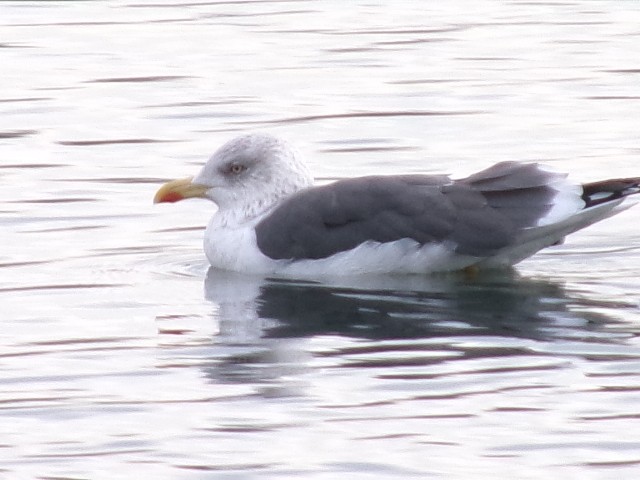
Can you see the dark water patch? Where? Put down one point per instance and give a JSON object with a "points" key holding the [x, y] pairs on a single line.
{"points": [[623, 70], [247, 467], [24, 99], [399, 31], [109, 219], [611, 374], [172, 318], [56, 200], [578, 23], [547, 4], [24, 264], [373, 349], [208, 3], [613, 97], [420, 81], [621, 416], [207, 114], [517, 409], [231, 101], [372, 114], [623, 354], [83, 341], [98, 453], [28, 400], [175, 317], [240, 128], [155, 78], [488, 59], [117, 180], [537, 23], [357, 141], [257, 14], [613, 463], [76, 349], [56, 89], [17, 133], [431, 416], [413, 41], [170, 20], [15, 45], [68, 229], [128, 250], [98, 23], [180, 229], [121, 141], [72, 24], [308, 31], [600, 251], [390, 436], [245, 428], [350, 50], [578, 42], [454, 395], [72, 286], [481, 371], [372, 469], [172, 401], [367, 149], [415, 360], [174, 331], [622, 445], [34, 165], [618, 388]]}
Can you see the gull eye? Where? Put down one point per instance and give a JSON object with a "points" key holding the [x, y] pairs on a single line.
{"points": [[236, 168]]}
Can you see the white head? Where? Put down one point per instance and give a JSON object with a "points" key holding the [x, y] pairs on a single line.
{"points": [[245, 177]]}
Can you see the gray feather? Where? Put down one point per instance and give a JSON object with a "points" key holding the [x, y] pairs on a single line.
{"points": [[478, 215], [505, 176]]}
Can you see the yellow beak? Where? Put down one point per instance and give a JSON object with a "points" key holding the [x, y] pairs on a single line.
{"points": [[177, 190]]}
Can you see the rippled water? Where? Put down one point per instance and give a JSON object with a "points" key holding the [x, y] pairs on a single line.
{"points": [[123, 356]]}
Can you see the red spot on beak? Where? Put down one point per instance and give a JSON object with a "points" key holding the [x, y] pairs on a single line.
{"points": [[171, 197]]}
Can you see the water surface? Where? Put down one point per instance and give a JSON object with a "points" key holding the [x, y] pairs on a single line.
{"points": [[123, 356]]}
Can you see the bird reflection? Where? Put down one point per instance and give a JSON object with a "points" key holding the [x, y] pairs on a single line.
{"points": [[393, 307], [266, 323]]}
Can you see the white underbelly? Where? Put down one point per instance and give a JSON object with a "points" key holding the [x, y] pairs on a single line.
{"points": [[237, 250]]}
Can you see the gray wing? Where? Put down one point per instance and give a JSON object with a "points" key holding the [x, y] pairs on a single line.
{"points": [[478, 215]]}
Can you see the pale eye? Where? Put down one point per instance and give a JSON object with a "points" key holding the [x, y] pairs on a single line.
{"points": [[236, 168]]}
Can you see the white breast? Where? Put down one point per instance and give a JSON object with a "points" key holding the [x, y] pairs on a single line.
{"points": [[235, 248]]}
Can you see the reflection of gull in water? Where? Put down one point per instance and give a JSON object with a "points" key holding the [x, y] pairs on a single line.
{"points": [[269, 322], [386, 307]]}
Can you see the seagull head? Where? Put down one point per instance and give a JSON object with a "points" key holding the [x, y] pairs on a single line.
{"points": [[245, 177]]}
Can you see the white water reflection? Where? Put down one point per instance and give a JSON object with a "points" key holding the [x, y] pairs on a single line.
{"points": [[117, 363]]}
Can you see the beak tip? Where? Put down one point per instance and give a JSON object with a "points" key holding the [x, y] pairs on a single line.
{"points": [[167, 197], [177, 190]]}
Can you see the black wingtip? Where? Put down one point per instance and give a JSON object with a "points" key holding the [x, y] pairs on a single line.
{"points": [[604, 191]]}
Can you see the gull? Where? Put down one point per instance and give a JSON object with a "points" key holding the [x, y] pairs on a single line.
{"points": [[273, 220]]}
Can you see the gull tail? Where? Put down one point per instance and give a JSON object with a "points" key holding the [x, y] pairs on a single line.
{"points": [[602, 199]]}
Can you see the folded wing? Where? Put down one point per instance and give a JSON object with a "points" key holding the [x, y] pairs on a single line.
{"points": [[478, 216]]}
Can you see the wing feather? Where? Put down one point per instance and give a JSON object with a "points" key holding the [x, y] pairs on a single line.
{"points": [[478, 215]]}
